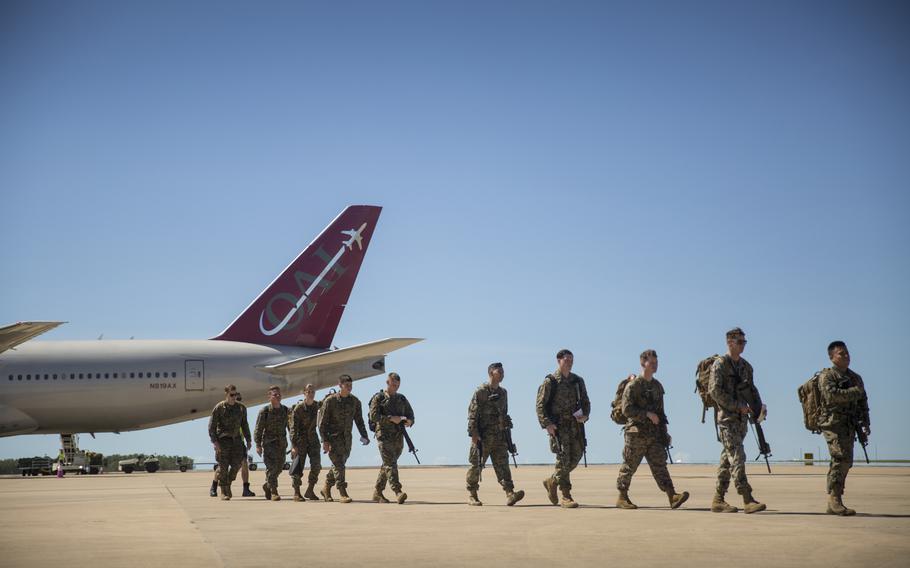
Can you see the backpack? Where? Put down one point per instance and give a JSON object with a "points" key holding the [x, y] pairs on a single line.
{"points": [[616, 412], [372, 423], [810, 397], [702, 380]]}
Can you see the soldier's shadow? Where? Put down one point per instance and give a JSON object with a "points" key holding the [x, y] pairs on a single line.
{"points": [[821, 514]]}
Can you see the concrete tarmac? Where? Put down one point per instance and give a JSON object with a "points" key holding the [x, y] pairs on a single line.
{"points": [[168, 520]]}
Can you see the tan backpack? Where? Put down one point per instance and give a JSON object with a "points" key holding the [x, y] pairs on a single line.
{"points": [[810, 397], [702, 380], [616, 412]]}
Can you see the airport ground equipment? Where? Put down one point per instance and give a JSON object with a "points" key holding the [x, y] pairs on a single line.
{"points": [[150, 464]]}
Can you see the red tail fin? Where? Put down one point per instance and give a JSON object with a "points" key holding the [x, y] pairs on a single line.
{"points": [[304, 304]]}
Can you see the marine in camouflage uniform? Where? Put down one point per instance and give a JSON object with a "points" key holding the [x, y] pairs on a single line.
{"points": [[271, 441], [731, 385], [391, 412], [646, 434], [339, 412], [228, 427], [844, 412], [305, 442], [563, 407], [488, 424]]}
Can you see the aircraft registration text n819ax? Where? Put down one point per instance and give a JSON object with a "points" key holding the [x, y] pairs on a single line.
{"points": [[283, 337]]}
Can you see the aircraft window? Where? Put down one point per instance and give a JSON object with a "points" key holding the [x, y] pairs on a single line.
{"points": [[107, 375], [157, 375], [20, 377], [148, 375], [10, 377], [46, 376], [55, 376], [115, 375], [140, 375], [28, 377], [72, 376], [173, 375], [132, 375], [80, 376]]}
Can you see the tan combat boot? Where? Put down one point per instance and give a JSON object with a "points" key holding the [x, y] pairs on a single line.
{"points": [[343, 491], [623, 501], [268, 491], [751, 505], [310, 494], [550, 485], [472, 498], [275, 495], [677, 499], [327, 492], [836, 506], [378, 497], [718, 505], [513, 497], [567, 501], [401, 497], [297, 496]]}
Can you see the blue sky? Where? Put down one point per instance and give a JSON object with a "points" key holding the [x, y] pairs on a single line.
{"points": [[602, 176]]}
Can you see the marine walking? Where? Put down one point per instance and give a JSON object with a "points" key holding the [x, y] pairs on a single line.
{"points": [[489, 426], [646, 433], [339, 413], [271, 440], [736, 398], [228, 428], [563, 407], [305, 443], [390, 413]]}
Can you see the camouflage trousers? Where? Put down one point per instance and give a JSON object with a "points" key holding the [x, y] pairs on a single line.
{"points": [[338, 455], [309, 448], [230, 455], [390, 449], [496, 450], [732, 458], [569, 447], [642, 446], [840, 446], [273, 455]]}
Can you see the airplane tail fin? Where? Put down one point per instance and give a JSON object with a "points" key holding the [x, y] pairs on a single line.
{"points": [[303, 306]]}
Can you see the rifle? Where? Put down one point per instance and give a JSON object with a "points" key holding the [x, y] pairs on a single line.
{"points": [[666, 437], [407, 439], [581, 425], [863, 439], [755, 409], [513, 449]]}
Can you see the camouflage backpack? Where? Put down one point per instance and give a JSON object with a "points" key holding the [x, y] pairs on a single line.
{"points": [[702, 379], [616, 412], [321, 412], [371, 423], [810, 397]]}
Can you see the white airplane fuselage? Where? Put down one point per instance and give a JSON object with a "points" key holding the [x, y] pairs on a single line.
{"points": [[117, 386]]}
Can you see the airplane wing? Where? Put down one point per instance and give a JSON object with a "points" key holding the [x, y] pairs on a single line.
{"points": [[18, 333], [338, 356]]}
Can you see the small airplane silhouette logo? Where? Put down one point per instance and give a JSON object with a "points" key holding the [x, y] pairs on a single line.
{"points": [[355, 237]]}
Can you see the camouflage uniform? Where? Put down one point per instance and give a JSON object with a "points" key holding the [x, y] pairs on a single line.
{"points": [[557, 399], [271, 425], [488, 418], [338, 415], [389, 436], [731, 385], [845, 408], [304, 438], [643, 438], [228, 427]]}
